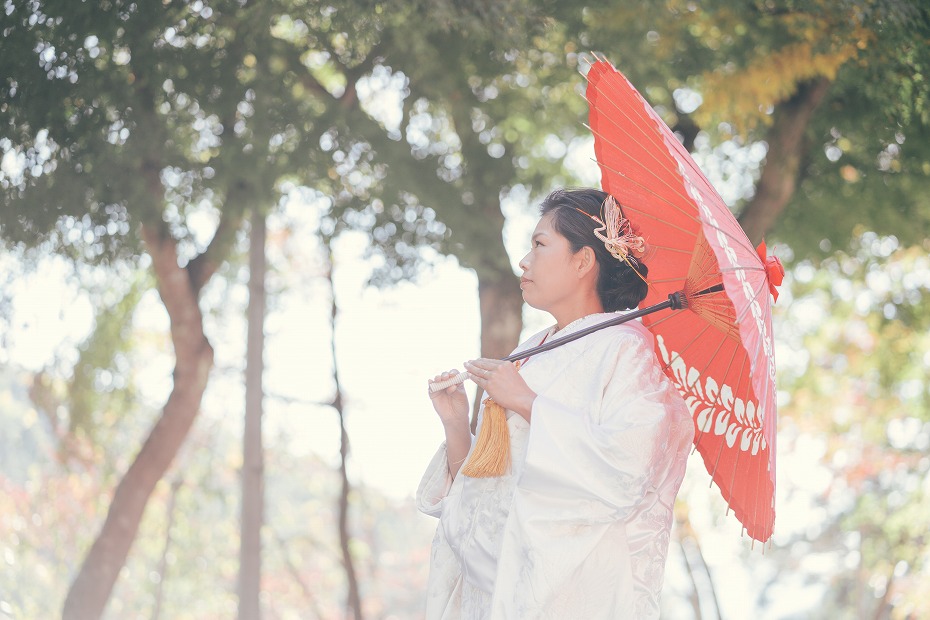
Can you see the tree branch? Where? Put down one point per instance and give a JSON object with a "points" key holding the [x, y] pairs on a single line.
{"points": [[295, 575], [163, 561], [174, 285], [688, 130], [202, 267], [353, 599], [782, 171]]}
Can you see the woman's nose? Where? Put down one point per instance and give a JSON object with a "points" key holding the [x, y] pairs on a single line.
{"points": [[524, 262]]}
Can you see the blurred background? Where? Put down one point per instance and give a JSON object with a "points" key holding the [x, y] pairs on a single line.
{"points": [[236, 239]]}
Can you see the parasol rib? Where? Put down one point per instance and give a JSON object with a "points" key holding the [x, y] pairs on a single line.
{"points": [[648, 172], [649, 136], [689, 161], [650, 113], [656, 195], [743, 244], [745, 311], [739, 383], [717, 401]]}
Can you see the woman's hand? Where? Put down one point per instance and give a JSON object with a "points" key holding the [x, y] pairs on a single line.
{"points": [[452, 406], [503, 383], [451, 403]]}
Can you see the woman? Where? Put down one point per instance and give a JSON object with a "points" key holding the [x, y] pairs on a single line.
{"points": [[578, 527]]}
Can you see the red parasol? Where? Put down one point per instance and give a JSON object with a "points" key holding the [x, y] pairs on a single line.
{"points": [[719, 351]]}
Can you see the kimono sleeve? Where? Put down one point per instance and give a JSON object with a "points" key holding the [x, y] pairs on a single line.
{"points": [[435, 484], [610, 453]]}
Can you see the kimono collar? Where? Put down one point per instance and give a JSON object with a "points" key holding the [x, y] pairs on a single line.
{"points": [[583, 322]]}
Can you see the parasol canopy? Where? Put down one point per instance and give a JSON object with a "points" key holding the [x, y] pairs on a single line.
{"points": [[719, 350]]}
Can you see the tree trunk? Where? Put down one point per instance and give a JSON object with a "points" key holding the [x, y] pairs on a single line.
{"points": [[885, 605], [694, 597], [786, 150], [353, 598], [694, 558], [163, 562], [501, 305], [94, 582], [253, 492]]}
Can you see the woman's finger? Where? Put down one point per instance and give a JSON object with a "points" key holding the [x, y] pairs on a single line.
{"points": [[447, 375], [484, 370]]}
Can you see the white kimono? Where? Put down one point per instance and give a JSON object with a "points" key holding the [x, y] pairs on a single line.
{"points": [[579, 528]]}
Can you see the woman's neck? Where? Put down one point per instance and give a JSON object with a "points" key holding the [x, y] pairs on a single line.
{"points": [[570, 314]]}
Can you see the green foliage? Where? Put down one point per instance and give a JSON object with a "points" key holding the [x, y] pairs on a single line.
{"points": [[858, 326], [101, 383], [479, 100], [143, 113], [218, 103], [725, 68]]}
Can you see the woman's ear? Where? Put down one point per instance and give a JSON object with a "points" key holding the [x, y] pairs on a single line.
{"points": [[587, 260]]}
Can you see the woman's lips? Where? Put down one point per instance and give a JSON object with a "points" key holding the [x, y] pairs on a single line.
{"points": [[524, 281]]}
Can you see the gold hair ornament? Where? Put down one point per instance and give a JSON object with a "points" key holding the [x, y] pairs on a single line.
{"points": [[618, 235]]}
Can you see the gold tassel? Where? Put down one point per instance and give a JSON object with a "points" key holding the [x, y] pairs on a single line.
{"points": [[491, 456]]}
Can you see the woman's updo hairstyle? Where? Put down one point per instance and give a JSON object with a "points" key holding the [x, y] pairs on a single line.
{"points": [[618, 286]]}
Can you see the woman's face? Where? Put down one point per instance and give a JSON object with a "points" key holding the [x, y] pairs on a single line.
{"points": [[550, 269]]}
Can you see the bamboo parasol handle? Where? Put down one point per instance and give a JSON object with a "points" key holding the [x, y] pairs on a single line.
{"points": [[441, 385], [675, 301]]}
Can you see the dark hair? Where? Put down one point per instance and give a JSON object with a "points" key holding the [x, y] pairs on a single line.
{"points": [[618, 286]]}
